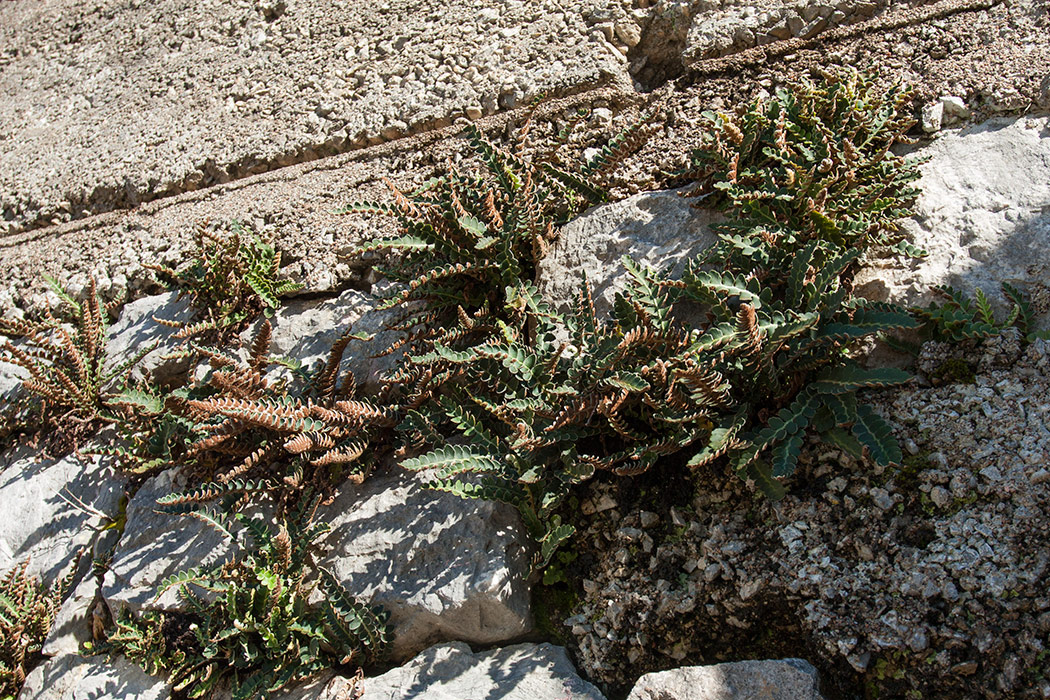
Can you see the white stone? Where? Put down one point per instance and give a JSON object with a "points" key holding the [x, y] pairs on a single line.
{"points": [[56, 503], [72, 677], [453, 672], [659, 229], [790, 679]]}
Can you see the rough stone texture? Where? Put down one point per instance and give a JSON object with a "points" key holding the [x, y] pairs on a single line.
{"points": [[984, 216], [157, 545], [790, 679], [41, 521], [445, 568], [305, 330], [659, 229], [72, 677], [453, 672], [926, 578], [112, 103], [11, 377], [72, 625], [135, 329]]}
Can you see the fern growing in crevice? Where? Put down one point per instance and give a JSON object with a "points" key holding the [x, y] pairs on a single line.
{"points": [[539, 402], [253, 434], [27, 611], [230, 279], [812, 163], [467, 238], [248, 622], [66, 362], [959, 318]]}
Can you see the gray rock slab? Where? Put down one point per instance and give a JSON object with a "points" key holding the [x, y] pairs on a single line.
{"points": [[109, 104], [445, 568], [306, 330], [660, 229], [136, 329], [983, 215], [72, 625], [72, 677], [454, 672], [789, 679], [158, 545], [42, 521], [11, 378]]}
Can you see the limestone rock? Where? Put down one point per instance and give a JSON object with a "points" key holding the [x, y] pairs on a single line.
{"points": [[306, 330], [72, 677], [445, 568], [982, 215], [72, 625], [659, 229], [49, 528], [11, 377], [790, 679], [157, 545], [136, 329], [520, 672]]}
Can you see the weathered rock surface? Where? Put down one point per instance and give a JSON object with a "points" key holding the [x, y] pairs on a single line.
{"points": [[72, 625], [984, 217], [452, 671], [306, 330], [932, 571], [136, 329], [112, 104], [445, 568], [43, 520], [72, 677], [790, 679], [659, 229], [158, 545]]}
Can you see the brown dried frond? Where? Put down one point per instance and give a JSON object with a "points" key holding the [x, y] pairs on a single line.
{"points": [[325, 383], [260, 344], [362, 410], [747, 326], [242, 382], [259, 456], [491, 212], [403, 203], [343, 455], [581, 409]]}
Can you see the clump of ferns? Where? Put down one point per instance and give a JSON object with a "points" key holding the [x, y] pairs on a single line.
{"points": [[466, 238], [957, 317], [254, 435], [534, 416], [152, 430], [27, 611], [66, 361], [249, 624], [813, 162], [230, 280]]}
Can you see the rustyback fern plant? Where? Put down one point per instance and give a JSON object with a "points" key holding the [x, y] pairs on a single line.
{"points": [[253, 434], [248, 622], [466, 238], [27, 611], [813, 162], [152, 432], [544, 400], [67, 362], [959, 318], [230, 279]]}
